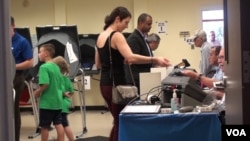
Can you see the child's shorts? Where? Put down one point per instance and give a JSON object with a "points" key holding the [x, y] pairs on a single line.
{"points": [[47, 117], [65, 121]]}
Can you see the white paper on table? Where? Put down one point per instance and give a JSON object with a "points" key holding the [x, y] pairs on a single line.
{"points": [[141, 109]]}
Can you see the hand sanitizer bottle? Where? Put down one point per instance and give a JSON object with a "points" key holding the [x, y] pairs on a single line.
{"points": [[174, 102]]}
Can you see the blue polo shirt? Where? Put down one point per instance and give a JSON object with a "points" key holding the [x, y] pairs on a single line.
{"points": [[21, 48]]}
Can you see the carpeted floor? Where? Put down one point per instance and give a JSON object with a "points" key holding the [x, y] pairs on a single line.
{"points": [[95, 138]]}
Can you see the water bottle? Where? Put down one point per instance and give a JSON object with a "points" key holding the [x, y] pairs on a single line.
{"points": [[174, 102]]}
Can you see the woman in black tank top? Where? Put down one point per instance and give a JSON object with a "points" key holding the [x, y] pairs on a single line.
{"points": [[121, 53]]}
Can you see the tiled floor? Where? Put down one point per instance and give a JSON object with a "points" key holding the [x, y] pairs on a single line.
{"points": [[97, 124]]}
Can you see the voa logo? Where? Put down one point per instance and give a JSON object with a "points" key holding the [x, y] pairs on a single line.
{"points": [[236, 132]]}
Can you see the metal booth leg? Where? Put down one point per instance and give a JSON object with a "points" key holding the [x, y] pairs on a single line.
{"points": [[35, 110], [81, 91]]}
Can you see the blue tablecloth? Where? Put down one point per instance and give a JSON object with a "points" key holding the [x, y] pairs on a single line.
{"points": [[170, 127]]}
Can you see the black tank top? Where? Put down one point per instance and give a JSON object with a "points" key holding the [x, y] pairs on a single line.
{"points": [[117, 65]]}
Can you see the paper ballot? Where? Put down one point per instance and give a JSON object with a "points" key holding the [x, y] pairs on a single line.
{"points": [[143, 109], [71, 53]]}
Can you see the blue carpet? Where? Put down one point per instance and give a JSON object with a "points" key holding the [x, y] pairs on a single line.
{"points": [[95, 138]]}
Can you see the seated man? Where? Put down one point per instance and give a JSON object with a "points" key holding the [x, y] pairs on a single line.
{"points": [[216, 94], [213, 61], [218, 75]]}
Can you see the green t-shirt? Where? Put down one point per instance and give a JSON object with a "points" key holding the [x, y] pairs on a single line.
{"points": [[67, 87], [51, 98]]}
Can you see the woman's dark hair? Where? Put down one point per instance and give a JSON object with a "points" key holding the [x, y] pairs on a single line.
{"points": [[120, 11]]}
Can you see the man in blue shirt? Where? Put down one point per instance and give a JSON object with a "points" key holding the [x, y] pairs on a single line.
{"points": [[22, 52]]}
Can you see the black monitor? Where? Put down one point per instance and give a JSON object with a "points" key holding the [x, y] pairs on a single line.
{"points": [[186, 86], [193, 90]]}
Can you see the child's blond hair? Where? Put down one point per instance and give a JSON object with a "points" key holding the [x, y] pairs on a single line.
{"points": [[62, 63]]}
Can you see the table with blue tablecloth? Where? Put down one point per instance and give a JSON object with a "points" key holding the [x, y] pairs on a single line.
{"points": [[170, 127]]}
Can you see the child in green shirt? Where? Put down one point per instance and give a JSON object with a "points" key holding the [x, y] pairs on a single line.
{"points": [[67, 93], [50, 92]]}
